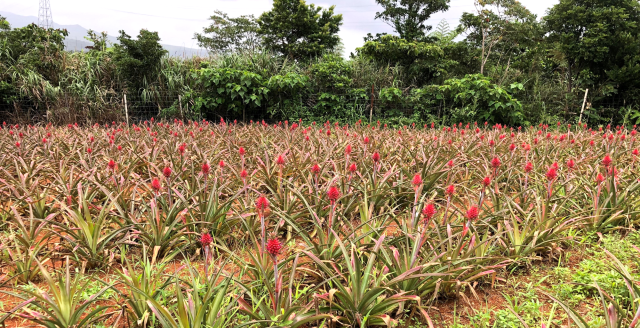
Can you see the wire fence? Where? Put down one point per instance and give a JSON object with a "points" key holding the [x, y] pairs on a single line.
{"points": [[69, 108]]}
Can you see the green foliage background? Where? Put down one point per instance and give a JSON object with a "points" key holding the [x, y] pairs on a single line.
{"points": [[501, 65]]}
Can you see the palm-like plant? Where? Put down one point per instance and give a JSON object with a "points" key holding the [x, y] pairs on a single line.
{"points": [[613, 206], [213, 212], [360, 296], [23, 261], [61, 306], [526, 232], [280, 307], [163, 231], [89, 236], [28, 242], [204, 303], [145, 282]]}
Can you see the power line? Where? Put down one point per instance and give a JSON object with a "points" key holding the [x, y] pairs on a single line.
{"points": [[149, 15], [338, 9], [379, 6], [378, 22], [360, 23]]}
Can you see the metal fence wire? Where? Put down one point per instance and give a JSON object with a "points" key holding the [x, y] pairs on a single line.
{"points": [[68, 108]]}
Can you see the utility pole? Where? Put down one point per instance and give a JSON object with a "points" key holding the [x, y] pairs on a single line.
{"points": [[44, 15]]}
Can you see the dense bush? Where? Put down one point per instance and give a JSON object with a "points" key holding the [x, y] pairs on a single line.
{"points": [[423, 61], [476, 98], [228, 89], [138, 60], [31, 59]]}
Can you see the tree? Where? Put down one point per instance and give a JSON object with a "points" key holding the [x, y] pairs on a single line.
{"points": [[298, 30], [99, 41], [501, 27], [598, 38], [459, 55], [421, 60], [443, 35], [331, 74], [33, 49], [229, 33], [31, 61], [138, 61], [4, 24], [407, 17]]}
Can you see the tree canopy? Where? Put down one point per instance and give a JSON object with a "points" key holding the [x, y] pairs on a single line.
{"points": [[138, 60], [298, 30], [599, 39], [227, 34], [408, 17]]}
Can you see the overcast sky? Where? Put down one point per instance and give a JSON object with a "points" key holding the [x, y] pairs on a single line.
{"points": [[177, 21]]}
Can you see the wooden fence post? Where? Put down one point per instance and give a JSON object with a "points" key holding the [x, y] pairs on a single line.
{"points": [[371, 109], [126, 110], [583, 103]]}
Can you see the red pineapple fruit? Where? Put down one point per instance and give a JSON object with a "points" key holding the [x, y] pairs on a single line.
{"points": [[262, 204], [315, 169], [206, 169], [472, 213], [528, 167], [552, 174], [495, 162], [428, 212], [274, 247], [417, 181], [155, 185], [333, 194], [206, 239]]}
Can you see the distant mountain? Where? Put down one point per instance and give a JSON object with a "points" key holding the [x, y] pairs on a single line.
{"points": [[75, 41]]}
